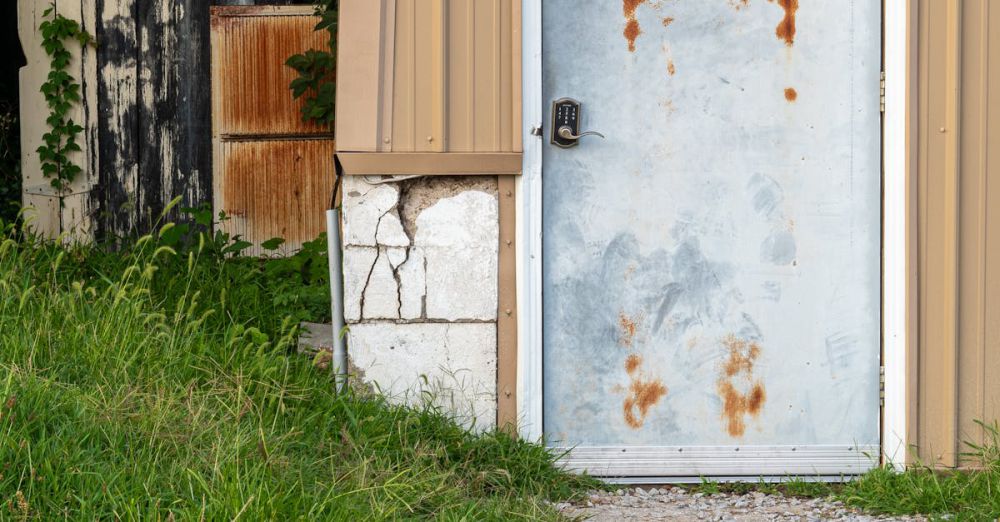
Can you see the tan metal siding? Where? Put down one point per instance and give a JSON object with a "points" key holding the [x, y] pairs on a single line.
{"points": [[958, 239], [446, 78], [273, 173]]}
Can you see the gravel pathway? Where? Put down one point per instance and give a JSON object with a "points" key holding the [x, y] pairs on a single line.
{"points": [[672, 503]]}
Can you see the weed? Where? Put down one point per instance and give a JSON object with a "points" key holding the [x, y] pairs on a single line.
{"points": [[154, 382], [970, 495]]}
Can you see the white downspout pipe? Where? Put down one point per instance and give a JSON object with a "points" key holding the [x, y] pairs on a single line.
{"points": [[335, 256]]}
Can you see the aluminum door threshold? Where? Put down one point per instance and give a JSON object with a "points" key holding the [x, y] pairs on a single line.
{"points": [[642, 464]]}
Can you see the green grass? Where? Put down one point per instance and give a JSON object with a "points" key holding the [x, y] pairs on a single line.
{"points": [[970, 495], [136, 385], [964, 495], [156, 381]]}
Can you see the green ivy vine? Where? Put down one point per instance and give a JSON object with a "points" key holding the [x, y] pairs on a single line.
{"points": [[316, 69], [61, 91]]}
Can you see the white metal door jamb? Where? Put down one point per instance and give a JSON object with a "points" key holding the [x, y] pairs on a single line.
{"points": [[894, 245], [529, 230]]}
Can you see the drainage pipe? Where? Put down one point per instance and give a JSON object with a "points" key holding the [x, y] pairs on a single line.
{"points": [[335, 256]]}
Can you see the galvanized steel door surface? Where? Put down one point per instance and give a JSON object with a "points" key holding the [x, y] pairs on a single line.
{"points": [[712, 267]]}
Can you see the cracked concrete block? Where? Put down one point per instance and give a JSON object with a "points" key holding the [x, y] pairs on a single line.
{"points": [[466, 220], [412, 285], [358, 263], [364, 206], [460, 234], [380, 299], [396, 256], [461, 284], [452, 365], [390, 231]]}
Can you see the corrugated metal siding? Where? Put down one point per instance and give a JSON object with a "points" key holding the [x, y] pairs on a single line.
{"points": [[273, 174], [251, 45], [958, 226], [453, 80], [448, 77], [272, 189]]}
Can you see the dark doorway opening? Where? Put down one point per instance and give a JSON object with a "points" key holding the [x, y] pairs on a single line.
{"points": [[11, 60]]}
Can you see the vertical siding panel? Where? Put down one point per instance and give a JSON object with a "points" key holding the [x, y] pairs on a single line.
{"points": [[485, 77], [924, 204], [429, 76], [972, 220], [403, 79], [359, 62], [174, 127], [504, 109], [991, 229], [939, 364], [386, 82], [459, 68], [118, 118], [516, 60]]}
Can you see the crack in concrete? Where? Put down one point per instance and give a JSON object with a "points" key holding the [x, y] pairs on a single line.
{"points": [[401, 195], [423, 298], [368, 280], [399, 282]]}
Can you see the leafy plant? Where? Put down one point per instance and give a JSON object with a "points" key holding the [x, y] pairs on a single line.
{"points": [[316, 69], [61, 91], [155, 382]]}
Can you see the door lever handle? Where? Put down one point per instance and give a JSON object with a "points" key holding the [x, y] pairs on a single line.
{"points": [[566, 133]]}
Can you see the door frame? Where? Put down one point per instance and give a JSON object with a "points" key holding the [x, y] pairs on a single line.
{"points": [[896, 41]]}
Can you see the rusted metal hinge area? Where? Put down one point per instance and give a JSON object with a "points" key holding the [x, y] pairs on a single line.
{"points": [[881, 93], [881, 385]]}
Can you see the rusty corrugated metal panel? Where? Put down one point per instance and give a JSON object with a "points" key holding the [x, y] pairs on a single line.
{"points": [[276, 188], [273, 174], [958, 341], [250, 46]]}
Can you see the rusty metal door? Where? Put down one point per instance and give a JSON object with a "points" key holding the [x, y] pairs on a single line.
{"points": [[712, 267]]}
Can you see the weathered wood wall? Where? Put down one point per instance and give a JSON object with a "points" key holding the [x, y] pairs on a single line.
{"points": [[148, 121]]}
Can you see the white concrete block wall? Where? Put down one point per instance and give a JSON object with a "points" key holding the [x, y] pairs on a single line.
{"points": [[420, 277]]}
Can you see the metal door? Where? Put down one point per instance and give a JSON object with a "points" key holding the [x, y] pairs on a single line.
{"points": [[712, 267]]}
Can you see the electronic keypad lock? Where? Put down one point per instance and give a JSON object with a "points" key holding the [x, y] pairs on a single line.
{"points": [[566, 123]]}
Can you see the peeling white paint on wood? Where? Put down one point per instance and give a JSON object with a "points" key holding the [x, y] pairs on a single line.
{"points": [[46, 216]]}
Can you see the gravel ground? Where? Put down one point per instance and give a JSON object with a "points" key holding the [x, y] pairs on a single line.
{"points": [[672, 503]]}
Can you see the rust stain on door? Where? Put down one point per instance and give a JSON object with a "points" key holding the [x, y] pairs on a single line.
{"points": [[627, 326], [786, 28], [748, 398], [643, 393], [791, 94], [632, 30]]}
